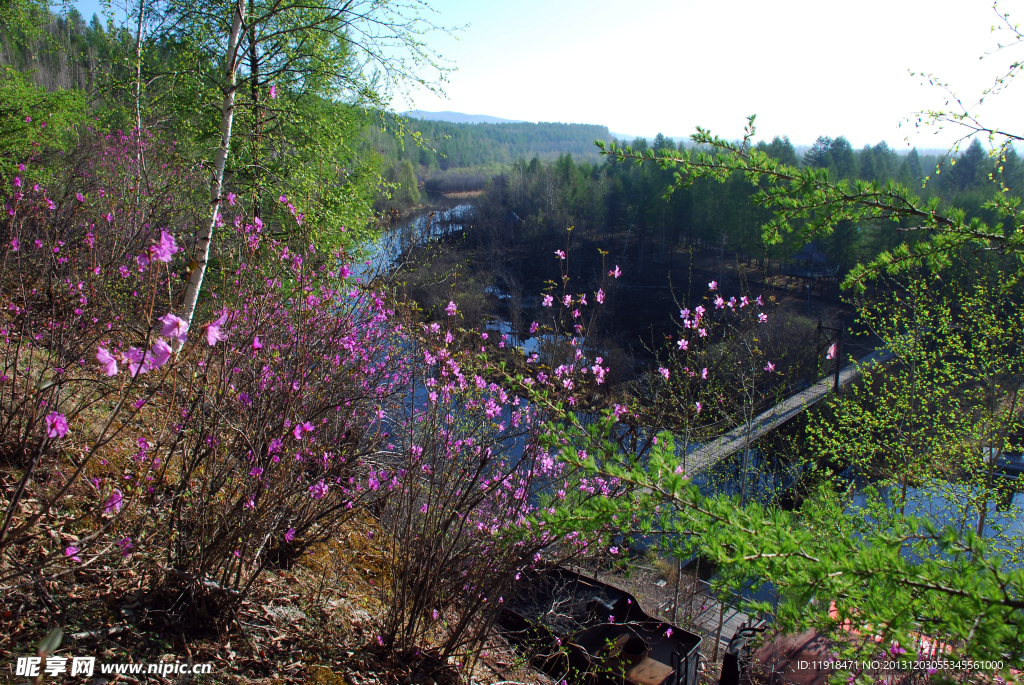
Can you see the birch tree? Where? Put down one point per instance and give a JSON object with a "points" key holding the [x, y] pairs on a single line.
{"points": [[292, 70]]}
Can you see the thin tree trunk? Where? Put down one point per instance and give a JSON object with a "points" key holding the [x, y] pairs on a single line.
{"points": [[195, 281]]}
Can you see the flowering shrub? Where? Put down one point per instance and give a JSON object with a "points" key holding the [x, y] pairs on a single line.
{"points": [[230, 446], [468, 470]]}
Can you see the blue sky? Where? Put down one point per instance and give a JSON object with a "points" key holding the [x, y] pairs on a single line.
{"points": [[806, 68]]}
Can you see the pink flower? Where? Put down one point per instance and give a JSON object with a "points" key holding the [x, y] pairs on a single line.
{"points": [[114, 502], [719, 302], [533, 328], [14, 244], [107, 361], [142, 260], [613, 550], [451, 308], [600, 296], [273, 92], [80, 197], [712, 285], [301, 428], [125, 544], [762, 318], [561, 255], [164, 250], [345, 271], [699, 406], [548, 301], [770, 367], [664, 372], [567, 300], [318, 491], [290, 535], [73, 553], [435, 614], [683, 344], [56, 425], [704, 374], [231, 198], [668, 633], [135, 364], [159, 353], [256, 344], [832, 351], [615, 272], [174, 328], [213, 332]]}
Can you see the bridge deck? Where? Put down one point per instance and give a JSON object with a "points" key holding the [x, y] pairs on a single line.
{"points": [[735, 440]]}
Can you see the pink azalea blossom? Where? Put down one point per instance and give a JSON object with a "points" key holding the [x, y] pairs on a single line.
{"points": [[318, 491], [712, 285], [290, 535], [664, 372], [832, 351], [174, 328], [683, 344], [213, 330], [615, 272], [14, 244], [548, 301], [256, 344], [125, 544], [231, 198], [769, 367], [699, 406], [451, 308], [72, 552], [80, 197], [600, 296], [301, 428], [135, 364], [159, 353], [114, 502], [561, 255], [164, 250], [273, 92], [56, 425], [533, 328], [762, 318], [107, 361]]}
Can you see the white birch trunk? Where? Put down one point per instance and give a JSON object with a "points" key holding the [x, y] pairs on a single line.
{"points": [[195, 281]]}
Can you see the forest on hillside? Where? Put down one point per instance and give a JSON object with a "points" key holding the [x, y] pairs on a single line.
{"points": [[260, 422]]}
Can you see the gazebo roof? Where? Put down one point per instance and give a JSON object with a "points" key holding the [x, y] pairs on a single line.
{"points": [[810, 253]]}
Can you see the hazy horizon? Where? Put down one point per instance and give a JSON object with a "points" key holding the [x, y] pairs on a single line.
{"points": [[805, 68]]}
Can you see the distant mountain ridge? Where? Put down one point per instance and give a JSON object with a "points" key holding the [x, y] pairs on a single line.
{"points": [[460, 118]]}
